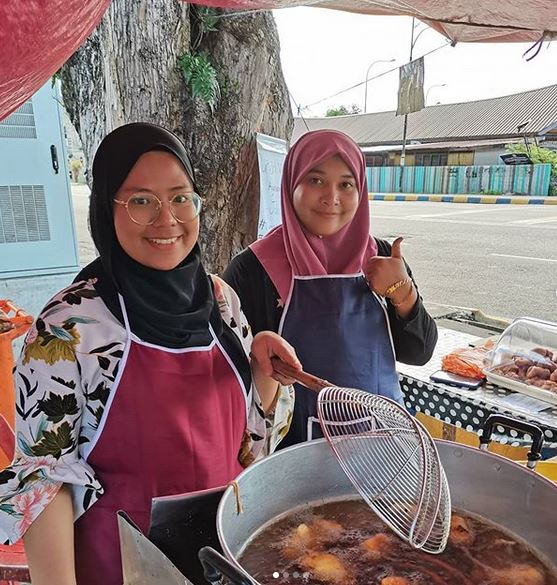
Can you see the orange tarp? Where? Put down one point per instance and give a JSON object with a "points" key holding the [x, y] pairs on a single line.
{"points": [[21, 323]]}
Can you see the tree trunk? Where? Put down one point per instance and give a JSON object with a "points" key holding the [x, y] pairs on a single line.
{"points": [[128, 71]]}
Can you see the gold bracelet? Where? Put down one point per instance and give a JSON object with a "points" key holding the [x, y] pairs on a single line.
{"points": [[396, 305], [396, 286]]}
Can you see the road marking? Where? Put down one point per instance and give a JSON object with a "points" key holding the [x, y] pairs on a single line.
{"points": [[503, 225], [549, 219], [458, 212], [524, 257]]}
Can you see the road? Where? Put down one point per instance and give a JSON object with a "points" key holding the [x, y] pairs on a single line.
{"points": [[501, 259]]}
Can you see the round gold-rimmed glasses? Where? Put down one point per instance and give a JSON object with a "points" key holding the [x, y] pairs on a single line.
{"points": [[145, 208]]}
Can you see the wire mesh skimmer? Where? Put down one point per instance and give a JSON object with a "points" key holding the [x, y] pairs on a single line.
{"points": [[388, 456]]}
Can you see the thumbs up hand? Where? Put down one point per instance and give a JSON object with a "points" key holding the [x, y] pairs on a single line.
{"points": [[382, 272]]}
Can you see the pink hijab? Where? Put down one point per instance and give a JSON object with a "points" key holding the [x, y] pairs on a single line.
{"points": [[291, 250]]}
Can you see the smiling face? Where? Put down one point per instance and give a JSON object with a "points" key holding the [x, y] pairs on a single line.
{"points": [[327, 198], [166, 242]]}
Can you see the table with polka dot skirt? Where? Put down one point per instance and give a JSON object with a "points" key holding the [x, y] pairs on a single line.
{"points": [[467, 409]]}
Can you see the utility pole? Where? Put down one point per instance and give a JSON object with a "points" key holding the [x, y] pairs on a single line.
{"points": [[405, 125]]}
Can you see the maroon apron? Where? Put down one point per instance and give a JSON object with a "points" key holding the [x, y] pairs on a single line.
{"points": [[175, 425]]}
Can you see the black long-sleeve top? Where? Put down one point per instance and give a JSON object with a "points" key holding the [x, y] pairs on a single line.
{"points": [[414, 337]]}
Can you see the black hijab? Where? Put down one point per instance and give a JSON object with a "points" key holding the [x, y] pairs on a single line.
{"points": [[172, 308]]}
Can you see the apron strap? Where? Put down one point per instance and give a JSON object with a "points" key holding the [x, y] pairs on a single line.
{"points": [[124, 314]]}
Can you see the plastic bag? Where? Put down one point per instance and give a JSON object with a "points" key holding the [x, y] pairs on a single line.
{"points": [[468, 361]]}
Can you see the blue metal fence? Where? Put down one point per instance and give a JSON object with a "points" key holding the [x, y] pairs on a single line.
{"points": [[495, 179]]}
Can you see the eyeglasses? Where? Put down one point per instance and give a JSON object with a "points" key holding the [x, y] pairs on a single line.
{"points": [[145, 208]]}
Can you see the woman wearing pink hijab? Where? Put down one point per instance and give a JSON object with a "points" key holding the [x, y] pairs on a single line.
{"points": [[344, 300]]}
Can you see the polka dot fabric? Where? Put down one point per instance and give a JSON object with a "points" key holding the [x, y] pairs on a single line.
{"points": [[467, 409]]}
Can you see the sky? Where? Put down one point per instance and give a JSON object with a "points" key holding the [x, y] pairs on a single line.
{"points": [[325, 51]]}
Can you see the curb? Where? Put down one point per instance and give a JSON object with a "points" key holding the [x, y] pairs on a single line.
{"points": [[443, 198], [477, 314]]}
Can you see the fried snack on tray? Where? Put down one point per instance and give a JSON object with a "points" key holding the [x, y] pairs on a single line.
{"points": [[536, 371]]}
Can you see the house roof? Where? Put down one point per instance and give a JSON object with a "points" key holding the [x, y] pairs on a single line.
{"points": [[450, 145], [483, 119]]}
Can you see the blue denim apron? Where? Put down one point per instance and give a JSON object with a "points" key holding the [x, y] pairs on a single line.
{"points": [[340, 331]]}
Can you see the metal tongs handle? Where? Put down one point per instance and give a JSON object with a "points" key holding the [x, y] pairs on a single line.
{"points": [[308, 380]]}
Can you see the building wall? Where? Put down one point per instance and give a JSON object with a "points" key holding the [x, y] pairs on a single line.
{"points": [[394, 159], [550, 143], [489, 156], [424, 158], [461, 158]]}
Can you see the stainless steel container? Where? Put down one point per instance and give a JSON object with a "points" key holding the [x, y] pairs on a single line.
{"points": [[482, 483]]}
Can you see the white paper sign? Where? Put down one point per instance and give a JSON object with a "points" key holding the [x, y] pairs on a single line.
{"points": [[271, 153]]}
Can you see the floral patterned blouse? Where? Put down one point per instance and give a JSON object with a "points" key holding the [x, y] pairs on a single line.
{"points": [[63, 380]]}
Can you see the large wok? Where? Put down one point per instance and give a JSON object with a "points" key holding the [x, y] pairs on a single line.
{"points": [[483, 483]]}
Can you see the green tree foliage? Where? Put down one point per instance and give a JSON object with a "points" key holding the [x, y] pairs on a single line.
{"points": [[199, 73], [201, 76], [539, 155], [207, 19], [343, 111]]}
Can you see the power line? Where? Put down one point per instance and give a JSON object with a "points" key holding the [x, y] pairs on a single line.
{"points": [[448, 43], [299, 110], [234, 14]]}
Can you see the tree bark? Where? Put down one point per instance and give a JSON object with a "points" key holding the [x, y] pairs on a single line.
{"points": [[128, 71]]}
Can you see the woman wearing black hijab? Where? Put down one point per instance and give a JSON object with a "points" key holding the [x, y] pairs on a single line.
{"points": [[135, 381]]}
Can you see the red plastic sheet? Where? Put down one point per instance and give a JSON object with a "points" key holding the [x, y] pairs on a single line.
{"points": [[36, 38], [458, 20]]}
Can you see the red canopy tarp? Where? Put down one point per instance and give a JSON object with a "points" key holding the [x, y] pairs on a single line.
{"points": [[459, 20], [38, 36]]}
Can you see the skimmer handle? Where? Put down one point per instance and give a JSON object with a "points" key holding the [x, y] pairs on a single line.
{"points": [[308, 380]]}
